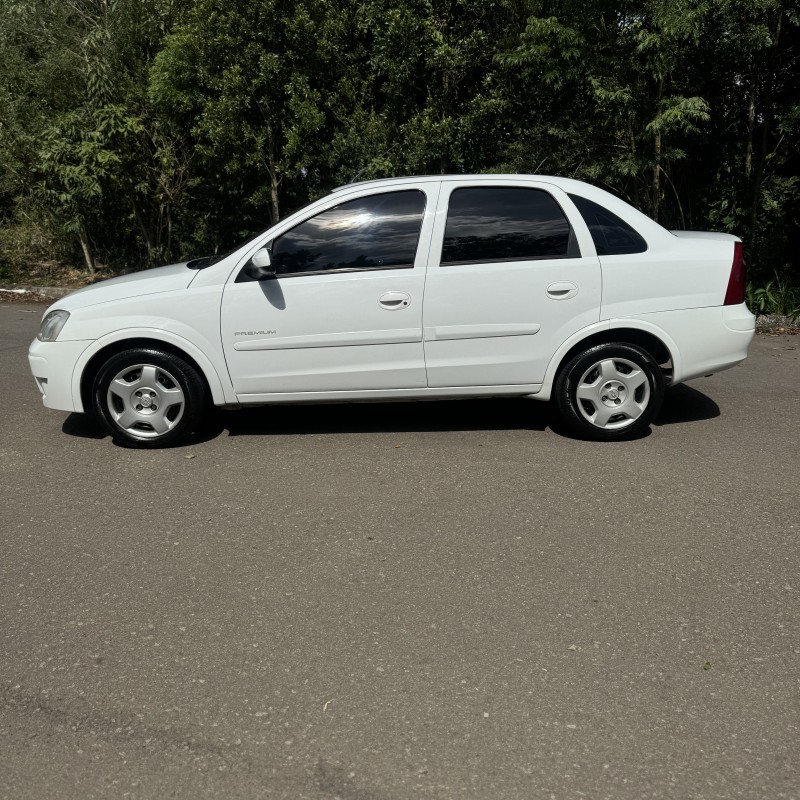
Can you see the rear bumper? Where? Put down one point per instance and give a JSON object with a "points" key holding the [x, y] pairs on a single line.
{"points": [[708, 340], [53, 367], [738, 318]]}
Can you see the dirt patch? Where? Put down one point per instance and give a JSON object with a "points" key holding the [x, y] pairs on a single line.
{"points": [[777, 325], [23, 296]]}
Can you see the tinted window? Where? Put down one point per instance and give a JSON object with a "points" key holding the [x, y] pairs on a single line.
{"points": [[504, 224], [611, 235], [373, 232]]}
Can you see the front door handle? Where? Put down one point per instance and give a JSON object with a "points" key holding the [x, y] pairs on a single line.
{"points": [[562, 290], [394, 301]]}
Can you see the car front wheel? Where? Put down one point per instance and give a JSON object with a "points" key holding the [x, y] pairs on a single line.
{"points": [[148, 398], [610, 391]]}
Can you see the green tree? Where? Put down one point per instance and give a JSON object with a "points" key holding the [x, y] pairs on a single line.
{"points": [[76, 132], [136, 131], [248, 88], [611, 104], [436, 80]]}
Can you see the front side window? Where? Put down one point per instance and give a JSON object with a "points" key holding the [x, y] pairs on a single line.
{"points": [[376, 232], [611, 235], [505, 223]]}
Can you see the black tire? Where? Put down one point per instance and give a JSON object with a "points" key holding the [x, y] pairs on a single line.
{"points": [[609, 392], [157, 399]]}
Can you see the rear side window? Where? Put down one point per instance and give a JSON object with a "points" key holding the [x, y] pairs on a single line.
{"points": [[504, 223], [611, 235], [376, 232]]}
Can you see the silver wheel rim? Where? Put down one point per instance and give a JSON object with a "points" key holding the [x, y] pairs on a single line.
{"points": [[145, 401], [613, 393]]}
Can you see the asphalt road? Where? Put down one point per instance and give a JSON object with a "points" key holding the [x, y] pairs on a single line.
{"points": [[444, 600]]}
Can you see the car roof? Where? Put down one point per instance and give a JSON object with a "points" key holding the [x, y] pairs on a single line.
{"points": [[627, 212], [564, 183]]}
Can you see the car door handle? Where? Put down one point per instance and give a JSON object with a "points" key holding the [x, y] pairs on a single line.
{"points": [[393, 301], [562, 290]]}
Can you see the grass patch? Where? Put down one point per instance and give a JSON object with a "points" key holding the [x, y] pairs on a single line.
{"points": [[775, 297]]}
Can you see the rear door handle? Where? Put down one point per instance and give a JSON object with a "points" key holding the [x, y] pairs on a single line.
{"points": [[562, 290], [394, 301]]}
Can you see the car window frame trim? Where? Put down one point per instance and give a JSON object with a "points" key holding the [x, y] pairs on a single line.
{"points": [[425, 201], [507, 260], [339, 271]]}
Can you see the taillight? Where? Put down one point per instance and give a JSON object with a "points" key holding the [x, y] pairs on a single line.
{"points": [[736, 283]]}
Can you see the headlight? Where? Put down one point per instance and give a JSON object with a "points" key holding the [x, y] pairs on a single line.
{"points": [[52, 325]]}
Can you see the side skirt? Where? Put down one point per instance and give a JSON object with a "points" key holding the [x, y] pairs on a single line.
{"points": [[388, 395]]}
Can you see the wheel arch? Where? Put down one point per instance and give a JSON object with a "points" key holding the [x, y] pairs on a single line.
{"points": [[648, 337], [94, 360]]}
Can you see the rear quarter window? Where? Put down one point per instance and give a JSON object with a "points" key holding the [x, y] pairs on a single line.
{"points": [[611, 235]]}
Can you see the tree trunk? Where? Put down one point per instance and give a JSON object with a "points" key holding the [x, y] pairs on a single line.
{"points": [[632, 140], [656, 202], [145, 233], [169, 232], [751, 124], [272, 172], [274, 209], [765, 131], [86, 246]]}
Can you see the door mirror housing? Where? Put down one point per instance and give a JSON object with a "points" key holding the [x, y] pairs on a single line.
{"points": [[260, 267], [262, 258]]}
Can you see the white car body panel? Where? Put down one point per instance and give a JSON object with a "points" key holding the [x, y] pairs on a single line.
{"points": [[707, 334], [494, 323], [467, 330], [323, 332], [374, 395], [137, 284], [216, 376], [681, 274], [328, 332], [53, 365], [186, 318]]}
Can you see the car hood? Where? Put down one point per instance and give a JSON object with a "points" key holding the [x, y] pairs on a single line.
{"points": [[149, 281]]}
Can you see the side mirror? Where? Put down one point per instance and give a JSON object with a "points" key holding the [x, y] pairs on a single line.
{"points": [[259, 267]]}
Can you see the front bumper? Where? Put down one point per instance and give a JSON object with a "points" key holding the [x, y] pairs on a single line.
{"points": [[53, 368]]}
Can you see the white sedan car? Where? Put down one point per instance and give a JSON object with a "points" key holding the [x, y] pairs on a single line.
{"points": [[410, 288]]}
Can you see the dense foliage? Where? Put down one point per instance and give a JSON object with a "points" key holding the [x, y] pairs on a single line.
{"points": [[135, 132]]}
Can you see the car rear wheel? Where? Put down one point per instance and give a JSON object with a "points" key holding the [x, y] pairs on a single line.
{"points": [[610, 391], [148, 398]]}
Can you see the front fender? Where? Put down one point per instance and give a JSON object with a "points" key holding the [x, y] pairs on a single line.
{"points": [[216, 375]]}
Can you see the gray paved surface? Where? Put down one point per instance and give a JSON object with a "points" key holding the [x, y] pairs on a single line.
{"points": [[402, 601]]}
